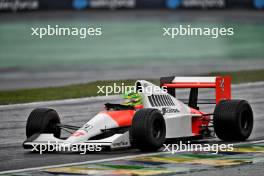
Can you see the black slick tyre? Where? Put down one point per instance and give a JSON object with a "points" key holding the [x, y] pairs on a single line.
{"points": [[233, 120], [148, 130], [43, 120]]}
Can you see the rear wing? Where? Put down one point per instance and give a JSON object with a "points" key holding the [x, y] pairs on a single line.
{"points": [[221, 84]]}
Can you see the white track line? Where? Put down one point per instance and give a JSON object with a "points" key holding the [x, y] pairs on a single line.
{"points": [[104, 160], [59, 102], [81, 163]]}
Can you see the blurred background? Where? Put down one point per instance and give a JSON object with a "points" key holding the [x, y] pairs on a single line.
{"points": [[132, 45]]}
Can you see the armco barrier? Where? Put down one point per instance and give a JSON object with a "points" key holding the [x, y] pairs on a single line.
{"points": [[55, 4], [25, 5], [18, 5]]}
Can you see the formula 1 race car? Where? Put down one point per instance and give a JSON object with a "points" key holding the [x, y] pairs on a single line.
{"points": [[161, 116]]}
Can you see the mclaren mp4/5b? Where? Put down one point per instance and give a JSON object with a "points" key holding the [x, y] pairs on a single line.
{"points": [[153, 119]]}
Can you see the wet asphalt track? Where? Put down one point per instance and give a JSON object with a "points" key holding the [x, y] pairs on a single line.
{"points": [[13, 119]]}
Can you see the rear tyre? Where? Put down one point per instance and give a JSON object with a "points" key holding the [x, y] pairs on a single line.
{"points": [[233, 120], [148, 130], [43, 120]]}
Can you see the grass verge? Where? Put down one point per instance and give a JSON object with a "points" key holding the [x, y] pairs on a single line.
{"points": [[91, 89]]}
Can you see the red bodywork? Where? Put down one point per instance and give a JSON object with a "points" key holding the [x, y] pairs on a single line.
{"points": [[122, 117], [198, 122]]}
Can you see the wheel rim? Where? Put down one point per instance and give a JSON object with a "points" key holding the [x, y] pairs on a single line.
{"points": [[245, 119], [52, 127], [157, 129]]}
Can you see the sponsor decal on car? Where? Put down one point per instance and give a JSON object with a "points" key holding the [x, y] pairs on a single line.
{"points": [[169, 110], [87, 127], [120, 144], [78, 133]]}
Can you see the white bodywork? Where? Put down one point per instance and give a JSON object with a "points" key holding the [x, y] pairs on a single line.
{"points": [[177, 115], [92, 128], [194, 80], [178, 124]]}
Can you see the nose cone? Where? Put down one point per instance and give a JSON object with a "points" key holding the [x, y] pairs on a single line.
{"points": [[93, 127]]}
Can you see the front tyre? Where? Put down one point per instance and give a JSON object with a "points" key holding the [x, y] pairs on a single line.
{"points": [[148, 130], [43, 120], [233, 120]]}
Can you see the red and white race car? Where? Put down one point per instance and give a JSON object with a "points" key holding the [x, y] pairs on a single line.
{"points": [[161, 117]]}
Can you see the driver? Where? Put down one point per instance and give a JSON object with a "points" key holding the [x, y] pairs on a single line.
{"points": [[132, 99]]}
